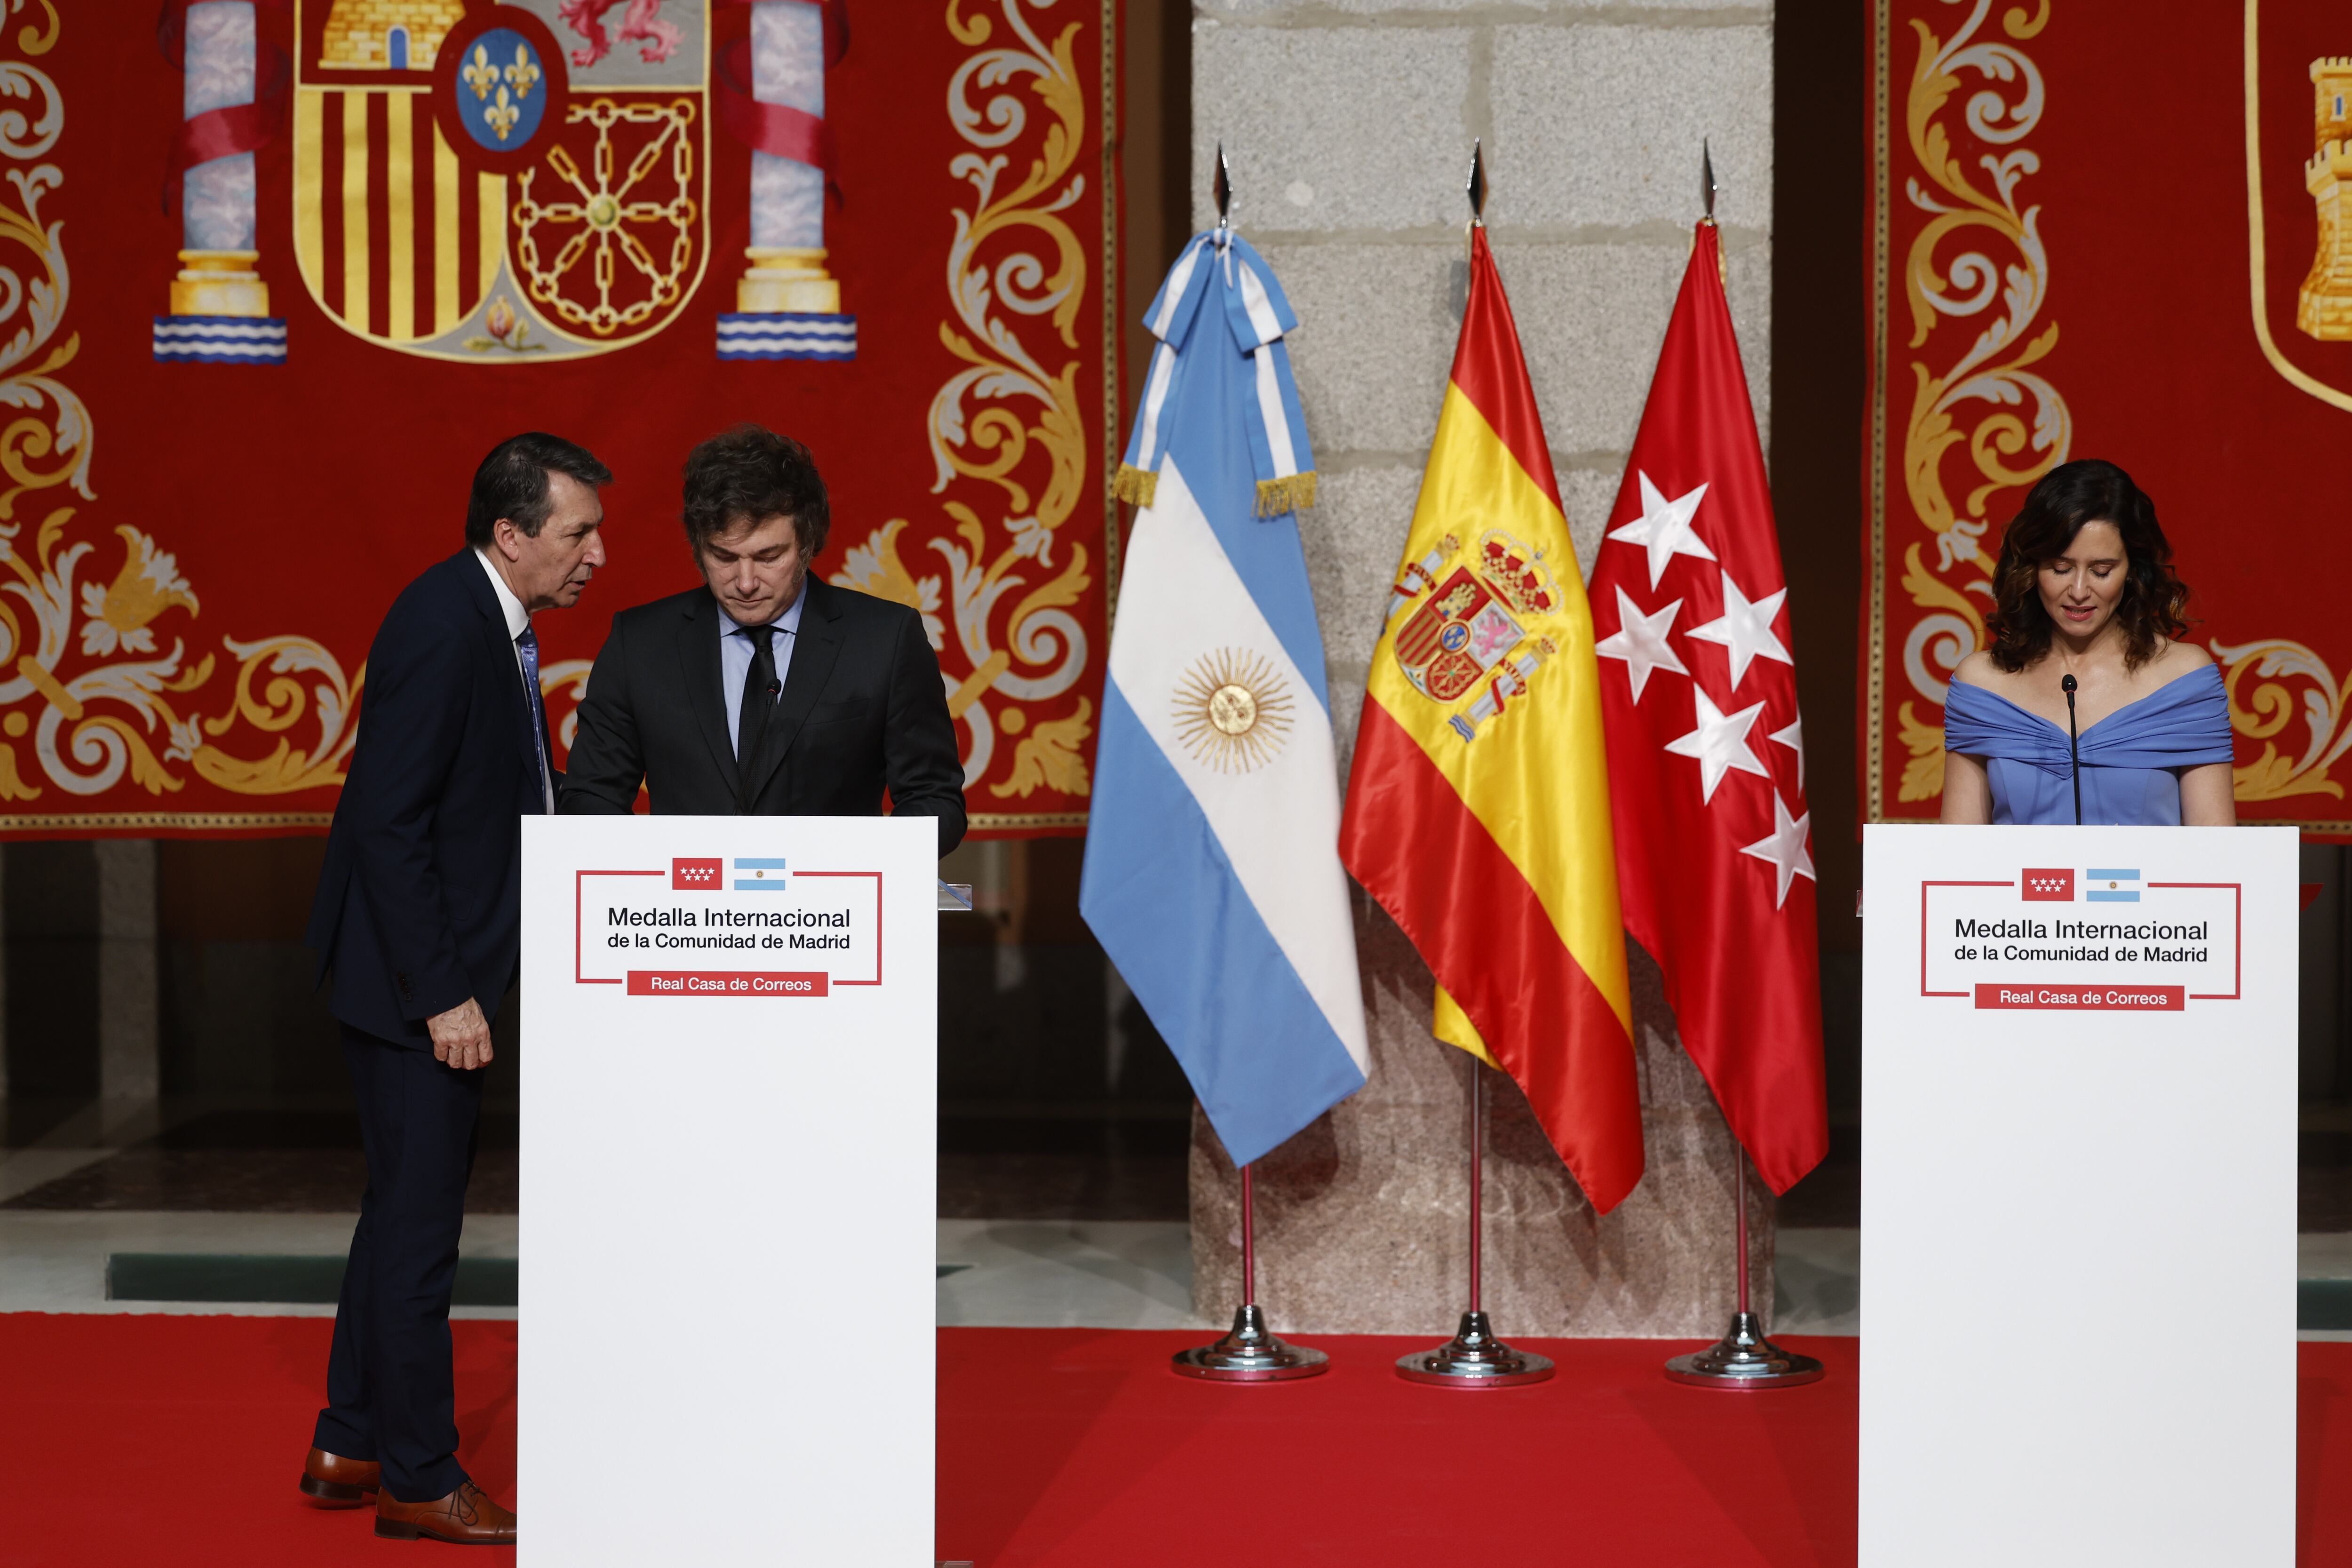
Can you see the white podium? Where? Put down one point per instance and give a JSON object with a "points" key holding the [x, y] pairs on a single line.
{"points": [[2078, 1217], [728, 1191]]}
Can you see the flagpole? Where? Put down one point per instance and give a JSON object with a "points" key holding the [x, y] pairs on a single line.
{"points": [[1249, 1242], [1474, 1357], [1743, 1358], [1250, 1353], [1477, 1177], [1739, 1266]]}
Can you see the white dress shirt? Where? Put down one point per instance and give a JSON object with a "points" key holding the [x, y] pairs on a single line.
{"points": [[517, 622], [736, 653]]}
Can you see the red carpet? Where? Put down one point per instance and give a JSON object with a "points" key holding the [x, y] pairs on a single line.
{"points": [[162, 1440], [1077, 1449]]}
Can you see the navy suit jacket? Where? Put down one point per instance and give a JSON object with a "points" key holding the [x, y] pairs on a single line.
{"points": [[420, 904]]}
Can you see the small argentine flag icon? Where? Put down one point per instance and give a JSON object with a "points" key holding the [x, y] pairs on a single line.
{"points": [[2107, 885], [765, 876]]}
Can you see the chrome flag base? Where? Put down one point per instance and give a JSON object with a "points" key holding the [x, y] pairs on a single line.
{"points": [[1744, 1359], [1251, 1353], [1475, 1358]]}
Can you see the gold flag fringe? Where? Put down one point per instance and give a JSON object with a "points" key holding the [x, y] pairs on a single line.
{"points": [[1294, 492], [1134, 486]]}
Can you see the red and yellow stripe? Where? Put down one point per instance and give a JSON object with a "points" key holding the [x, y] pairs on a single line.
{"points": [[392, 237], [1495, 855]]}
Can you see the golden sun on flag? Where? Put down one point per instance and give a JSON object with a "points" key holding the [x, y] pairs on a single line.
{"points": [[1231, 712]]}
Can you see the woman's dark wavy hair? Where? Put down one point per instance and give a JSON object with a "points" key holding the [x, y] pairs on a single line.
{"points": [[2056, 509]]}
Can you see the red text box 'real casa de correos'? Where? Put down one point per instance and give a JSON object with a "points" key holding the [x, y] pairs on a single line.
{"points": [[2106, 998], [724, 983]]}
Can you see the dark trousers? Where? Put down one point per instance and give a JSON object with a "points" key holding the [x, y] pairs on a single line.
{"points": [[390, 1392]]}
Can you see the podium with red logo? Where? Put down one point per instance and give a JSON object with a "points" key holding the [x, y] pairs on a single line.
{"points": [[728, 1191], [2078, 1244]]}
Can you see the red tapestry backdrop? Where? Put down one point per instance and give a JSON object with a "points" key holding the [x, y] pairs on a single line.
{"points": [[2101, 228], [474, 218]]}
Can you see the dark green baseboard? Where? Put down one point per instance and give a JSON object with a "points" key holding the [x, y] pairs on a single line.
{"points": [[293, 1280], [2322, 1304]]}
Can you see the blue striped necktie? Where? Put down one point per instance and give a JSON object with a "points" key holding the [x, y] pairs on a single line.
{"points": [[529, 645]]}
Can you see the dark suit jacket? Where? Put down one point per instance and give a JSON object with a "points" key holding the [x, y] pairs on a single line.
{"points": [[862, 710], [420, 904]]}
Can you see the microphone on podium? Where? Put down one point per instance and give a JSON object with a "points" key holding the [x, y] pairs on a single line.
{"points": [[2074, 749]]}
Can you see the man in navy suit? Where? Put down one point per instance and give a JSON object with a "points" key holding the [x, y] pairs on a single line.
{"points": [[417, 918]]}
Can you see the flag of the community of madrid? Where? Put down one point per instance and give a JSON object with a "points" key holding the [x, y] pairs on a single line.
{"points": [[1706, 758], [1478, 805], [1212, 872]]}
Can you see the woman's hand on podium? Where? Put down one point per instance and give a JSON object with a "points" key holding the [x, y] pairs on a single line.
{"points": [[461, 1036]]}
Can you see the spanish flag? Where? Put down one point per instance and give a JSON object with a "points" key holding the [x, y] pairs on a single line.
{"points": [[1477, 806]]}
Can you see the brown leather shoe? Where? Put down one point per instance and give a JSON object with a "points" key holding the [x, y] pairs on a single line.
{"points": [[467, 1517], [330, 1480]]}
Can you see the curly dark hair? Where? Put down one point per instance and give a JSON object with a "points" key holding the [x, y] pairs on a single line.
{"points": [[751, 474], [2055, 510]]}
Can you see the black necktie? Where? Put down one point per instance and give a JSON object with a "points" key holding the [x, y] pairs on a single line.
{"points": [[760, 689]]}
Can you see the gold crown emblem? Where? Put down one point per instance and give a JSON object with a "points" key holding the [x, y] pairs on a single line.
{"points": [[1517, 574]]}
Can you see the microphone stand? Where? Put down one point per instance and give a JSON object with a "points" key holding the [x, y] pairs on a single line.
{"points": [[2074, 749]]}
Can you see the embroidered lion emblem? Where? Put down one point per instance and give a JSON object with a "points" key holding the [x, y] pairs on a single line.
{"points": [[641, 25]]}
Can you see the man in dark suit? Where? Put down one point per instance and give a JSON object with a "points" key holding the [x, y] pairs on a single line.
{"points": [[767, 690], [417, 918]]}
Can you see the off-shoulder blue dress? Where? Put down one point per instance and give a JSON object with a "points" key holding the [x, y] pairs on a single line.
{"points": [[2131, 759]]}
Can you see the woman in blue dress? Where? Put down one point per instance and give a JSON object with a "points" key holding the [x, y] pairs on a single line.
{"points": [[2085, 588]]}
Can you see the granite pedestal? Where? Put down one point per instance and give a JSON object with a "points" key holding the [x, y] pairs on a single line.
{"points": [[1362, 1218]]}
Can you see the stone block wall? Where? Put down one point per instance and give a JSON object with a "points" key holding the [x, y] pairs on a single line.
{"points": [[1347, 126]]}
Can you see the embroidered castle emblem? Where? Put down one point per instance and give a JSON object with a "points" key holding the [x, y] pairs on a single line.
{"points": [[2323, 305], [1473, 629]]}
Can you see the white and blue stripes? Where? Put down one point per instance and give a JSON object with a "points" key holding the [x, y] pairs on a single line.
{"points": [[766, 876], [1179, 298], [220, 340], [1258, 317], [787, 334], [2111, 885], [1212, 873]]}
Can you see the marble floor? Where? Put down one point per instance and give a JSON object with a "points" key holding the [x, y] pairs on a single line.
{"points": [[1066, 1274], [227, 1185], [229, 1157]]}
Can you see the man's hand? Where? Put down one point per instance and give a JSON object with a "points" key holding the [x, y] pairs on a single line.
{"points": [[461, 1036]]}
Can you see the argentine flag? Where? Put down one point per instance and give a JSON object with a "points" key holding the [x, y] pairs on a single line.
{"points": [[2111, 885], [1213, 872]]}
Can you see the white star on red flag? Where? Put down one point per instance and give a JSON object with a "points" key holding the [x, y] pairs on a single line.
{"points": [[1793, 737], [1785, 850], [1641, 641], [1721, 744], [1664, 527], [1746, 628]]}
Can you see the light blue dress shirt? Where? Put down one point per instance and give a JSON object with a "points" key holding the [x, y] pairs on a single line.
{"points": [[735, 654]]}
